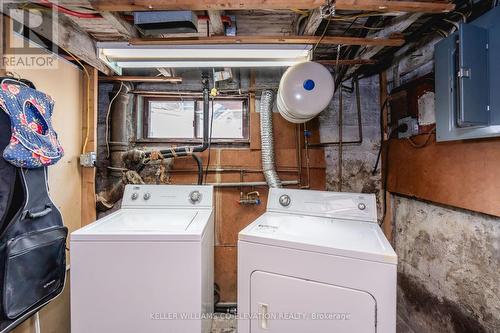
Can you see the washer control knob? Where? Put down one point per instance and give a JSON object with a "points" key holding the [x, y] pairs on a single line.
{"points": [[135, 195], [285, 200], [195, 196], [361, 206], [147, 196]]}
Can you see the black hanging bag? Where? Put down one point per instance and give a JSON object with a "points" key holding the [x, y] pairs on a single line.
{"points": [[32, 240]]}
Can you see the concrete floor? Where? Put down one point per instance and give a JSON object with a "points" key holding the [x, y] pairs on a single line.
{"points": [[224, 324]]}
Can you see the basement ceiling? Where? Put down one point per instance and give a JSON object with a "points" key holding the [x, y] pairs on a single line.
{"points": [[384, 23]]}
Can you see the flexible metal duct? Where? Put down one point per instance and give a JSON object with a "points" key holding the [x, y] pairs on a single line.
{"points": [[267, 139]]}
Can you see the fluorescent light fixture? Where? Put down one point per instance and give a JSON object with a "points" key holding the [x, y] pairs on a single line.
{"points": [[119, 55]]}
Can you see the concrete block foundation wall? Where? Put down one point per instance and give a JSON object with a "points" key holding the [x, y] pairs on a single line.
{"points": [[358, 159], [449, 268]]}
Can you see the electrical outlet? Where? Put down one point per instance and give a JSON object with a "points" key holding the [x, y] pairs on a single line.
{"points": [[407, 127], [88, 160]]}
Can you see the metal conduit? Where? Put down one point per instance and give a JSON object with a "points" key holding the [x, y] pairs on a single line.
{"points": [[240, 184], [360, 126]]}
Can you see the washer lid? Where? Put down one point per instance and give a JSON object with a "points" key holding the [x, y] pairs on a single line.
{"points": [[348, 238], [147, 224]]}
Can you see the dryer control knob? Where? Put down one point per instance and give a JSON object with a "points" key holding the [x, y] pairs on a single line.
{"points": [[195, 196], [285, 200], [134, 196], [361, 206], [147, 196]]}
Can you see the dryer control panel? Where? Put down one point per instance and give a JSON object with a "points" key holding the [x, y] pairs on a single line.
{"points": [[340, 205], [168, 196]]}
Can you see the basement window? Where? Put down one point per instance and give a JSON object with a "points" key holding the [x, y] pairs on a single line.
{"points": [[166, 119]]}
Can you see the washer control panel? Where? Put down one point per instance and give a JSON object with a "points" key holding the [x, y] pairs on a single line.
{"points": [[195, 197], [167, 196]]}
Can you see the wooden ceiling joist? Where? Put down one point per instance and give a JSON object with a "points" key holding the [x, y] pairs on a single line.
{"points": [[398, 25], [312, 40], [313, 22], [69, 37], [216, 22], [396, 6], [363, 5], [121, 25]]}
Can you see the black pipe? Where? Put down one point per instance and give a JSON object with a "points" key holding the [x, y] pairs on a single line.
{"points": [[200, 168], [188, 150]]}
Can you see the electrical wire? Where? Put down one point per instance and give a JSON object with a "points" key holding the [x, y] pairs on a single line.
{"points": [[464, 17], [323, 34], [87, 134], [356, 16], [69, 12], [382, 108], [455, 24], [301, 12], [345, 31], [359, 26], [107, 118], [425, 143], [442, 33]]}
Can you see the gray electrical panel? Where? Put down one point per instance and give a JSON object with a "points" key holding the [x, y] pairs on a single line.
{"points": [[468, 81]]}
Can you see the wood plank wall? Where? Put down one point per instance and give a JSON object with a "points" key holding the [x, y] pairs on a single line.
{"points": [[89, 133], [462, 174], [230, 216]]}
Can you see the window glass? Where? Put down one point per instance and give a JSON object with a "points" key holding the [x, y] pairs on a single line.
{"points": [[171, 119], [227, 119], [165, 119]]}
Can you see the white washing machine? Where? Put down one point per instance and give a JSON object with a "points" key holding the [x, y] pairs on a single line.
{"points": [[316, 262], [147, 267]]}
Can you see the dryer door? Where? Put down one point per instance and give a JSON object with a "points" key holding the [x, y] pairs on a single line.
{"points": [[286, 304]]}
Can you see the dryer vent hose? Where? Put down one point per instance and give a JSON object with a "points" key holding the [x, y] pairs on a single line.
{"points": [[267, 139]]}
